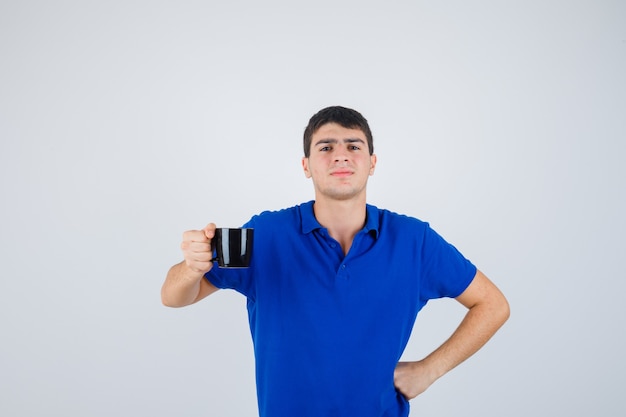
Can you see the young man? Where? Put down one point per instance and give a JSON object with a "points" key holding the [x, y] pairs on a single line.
{"points": [[334, 287]]}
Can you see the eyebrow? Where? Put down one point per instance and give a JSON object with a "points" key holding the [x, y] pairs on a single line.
{"points": [[347, 140]]}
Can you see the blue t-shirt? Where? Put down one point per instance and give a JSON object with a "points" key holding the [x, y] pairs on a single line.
{"points": [[328, 329]]}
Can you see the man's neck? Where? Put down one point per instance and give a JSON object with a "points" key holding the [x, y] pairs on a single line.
{"points": [[342, 219]]}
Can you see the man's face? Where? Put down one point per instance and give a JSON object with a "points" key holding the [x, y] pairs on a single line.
{"points": [[339, 163]]}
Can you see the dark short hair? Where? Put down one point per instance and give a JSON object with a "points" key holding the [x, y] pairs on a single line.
{"points": [[345, 117]]}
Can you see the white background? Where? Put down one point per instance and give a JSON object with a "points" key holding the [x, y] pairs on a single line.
{"points": [[124, 123]]}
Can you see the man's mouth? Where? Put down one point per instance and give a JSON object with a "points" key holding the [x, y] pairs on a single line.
{"points": [[341, 173]]}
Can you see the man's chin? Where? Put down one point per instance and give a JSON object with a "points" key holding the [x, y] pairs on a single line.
{"points": [[342, 195]]}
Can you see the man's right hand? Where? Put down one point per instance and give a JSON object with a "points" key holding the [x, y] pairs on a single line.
{"points": [[196, 247], [184, 283]]}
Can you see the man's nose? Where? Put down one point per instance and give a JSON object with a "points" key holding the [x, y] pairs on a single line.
{"points": [[340, 155]]}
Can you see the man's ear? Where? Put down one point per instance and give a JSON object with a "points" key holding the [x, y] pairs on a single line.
{"points": [[373, 161], [305, 167]]}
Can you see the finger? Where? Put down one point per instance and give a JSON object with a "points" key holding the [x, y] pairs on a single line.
{"points": [[191, 246], [199, 257], [199, 266], [195, 236], [199, 261]]}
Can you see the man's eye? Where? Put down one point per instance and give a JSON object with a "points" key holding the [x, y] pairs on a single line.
{"points": [[325, 148], [354, 148]]}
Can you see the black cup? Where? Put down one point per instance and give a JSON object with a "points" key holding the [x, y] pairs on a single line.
{"points": [[233, 247]]}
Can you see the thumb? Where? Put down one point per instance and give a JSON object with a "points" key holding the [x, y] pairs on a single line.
{"points": [[209, 230]]}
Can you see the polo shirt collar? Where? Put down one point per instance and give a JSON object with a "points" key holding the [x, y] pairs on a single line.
{"points": [[310, 223], [371, 222]]}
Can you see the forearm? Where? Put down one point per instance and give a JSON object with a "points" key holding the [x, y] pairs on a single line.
{"points": [[181, 287], [488, 310], [480, 323]]}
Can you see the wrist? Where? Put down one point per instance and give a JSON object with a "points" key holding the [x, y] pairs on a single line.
{"points": [[430, 368], [191, 274]]}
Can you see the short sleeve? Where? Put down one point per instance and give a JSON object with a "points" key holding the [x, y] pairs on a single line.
{"points": [[447, 273]]}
